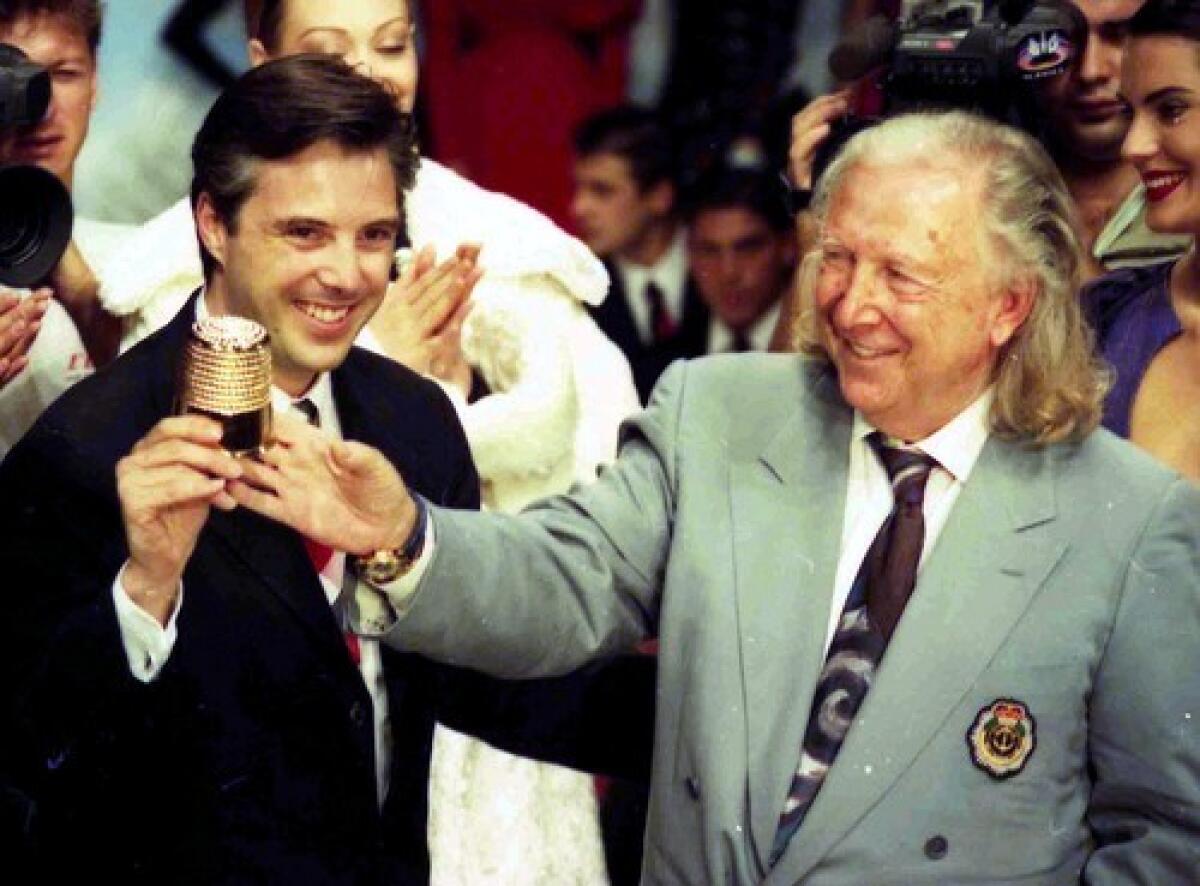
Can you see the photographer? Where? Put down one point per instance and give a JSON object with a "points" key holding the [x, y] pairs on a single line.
{"points": [[61, 331], [1080, 120]]}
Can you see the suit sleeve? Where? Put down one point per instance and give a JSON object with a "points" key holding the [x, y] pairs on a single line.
{"points": [[573, 579], [568, 719], [597, 719], [1144, 729], [68, 696]]}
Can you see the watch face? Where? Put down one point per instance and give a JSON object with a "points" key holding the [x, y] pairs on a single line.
{"points": [[383, 567]]}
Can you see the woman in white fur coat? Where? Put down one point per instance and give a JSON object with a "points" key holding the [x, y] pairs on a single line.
{"points": [[558, 390]]}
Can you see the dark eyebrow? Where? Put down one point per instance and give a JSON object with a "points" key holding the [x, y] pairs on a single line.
{"points": [[402, 19], [324, 29], [1167, 92], [750, 240], [390, 221], [284, 223]]}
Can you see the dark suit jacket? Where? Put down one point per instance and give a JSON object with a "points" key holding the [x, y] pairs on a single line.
{"points": [[648, 361], [251, 757]]}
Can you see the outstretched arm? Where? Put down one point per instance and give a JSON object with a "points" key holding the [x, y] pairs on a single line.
{"points": [[573, 579]]}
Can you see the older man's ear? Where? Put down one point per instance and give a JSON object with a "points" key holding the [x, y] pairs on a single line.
{"points": [[1016, 303]]}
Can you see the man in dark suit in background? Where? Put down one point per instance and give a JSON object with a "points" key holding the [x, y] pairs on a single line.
{"points": [[187, 703], [625, 204]]}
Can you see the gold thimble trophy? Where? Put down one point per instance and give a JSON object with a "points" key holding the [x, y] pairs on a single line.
{"points": [[226, 375]]}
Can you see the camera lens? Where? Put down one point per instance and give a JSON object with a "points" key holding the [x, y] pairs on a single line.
{"points": [[35, 224]]}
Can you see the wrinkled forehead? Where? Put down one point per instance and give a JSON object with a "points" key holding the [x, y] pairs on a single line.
{"points": [[934, 181], [918, 211]]}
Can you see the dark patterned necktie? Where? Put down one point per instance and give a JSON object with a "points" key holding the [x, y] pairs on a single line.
{"points": [[321, 554], [662, 324], [877, 599], [741, 342]]}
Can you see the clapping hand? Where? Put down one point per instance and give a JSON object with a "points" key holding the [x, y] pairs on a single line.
{"points": [[420, 320], [20, 320]]}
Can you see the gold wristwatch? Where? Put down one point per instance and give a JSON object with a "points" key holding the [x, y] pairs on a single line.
{"points": [[384, 566]]}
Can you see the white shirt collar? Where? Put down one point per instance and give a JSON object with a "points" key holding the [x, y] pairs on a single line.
{"points": [[720, 336], [320, 393], [669, 273], [957, 444]]}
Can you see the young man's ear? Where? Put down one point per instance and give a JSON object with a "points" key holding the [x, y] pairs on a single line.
{"points": [[210, 228], [662, 197], [257, 52]]}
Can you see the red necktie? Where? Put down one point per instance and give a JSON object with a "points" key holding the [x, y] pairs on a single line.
{"points": [[662, 324], [321, 554]]}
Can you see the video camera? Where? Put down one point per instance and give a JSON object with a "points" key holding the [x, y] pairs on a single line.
{"points": [[35, 207], [981, 55]]}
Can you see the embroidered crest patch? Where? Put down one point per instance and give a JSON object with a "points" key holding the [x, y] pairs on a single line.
{"points": [[1002, 738]]}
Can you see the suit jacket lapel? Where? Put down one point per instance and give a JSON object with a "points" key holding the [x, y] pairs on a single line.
{"points": [[615, 316], [991, 558], [787, 508], [275, 554], [693, 325]]}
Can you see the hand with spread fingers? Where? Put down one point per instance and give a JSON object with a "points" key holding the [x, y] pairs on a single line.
{"points": [[166, 486], [337, 492], [810, 127], [420, 321], [20, 321]]}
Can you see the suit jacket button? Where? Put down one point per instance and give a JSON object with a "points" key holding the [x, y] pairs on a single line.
{"points": [[936, 848], [693, 787], [358, 713]]}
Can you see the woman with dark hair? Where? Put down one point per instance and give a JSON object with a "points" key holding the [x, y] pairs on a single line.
{"points": [[1148, 319]]}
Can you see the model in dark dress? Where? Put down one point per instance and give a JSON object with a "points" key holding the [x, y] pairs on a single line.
{"points": [[1134, 319]]}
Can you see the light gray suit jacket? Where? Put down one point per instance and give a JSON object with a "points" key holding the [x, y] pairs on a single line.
{"points": [[1067, 578]]}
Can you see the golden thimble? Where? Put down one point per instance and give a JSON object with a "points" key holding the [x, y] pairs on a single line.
{"points": [[226, 375]]}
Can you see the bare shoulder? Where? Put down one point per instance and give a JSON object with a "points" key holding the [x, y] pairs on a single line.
{"points": [[1165, 419]]}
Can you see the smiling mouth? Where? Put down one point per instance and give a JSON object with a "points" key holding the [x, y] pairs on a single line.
{"points": [[862, 352], [1097, 111], [1160, 185], [324, 313]]}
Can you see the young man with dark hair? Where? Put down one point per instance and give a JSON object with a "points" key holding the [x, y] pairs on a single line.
{"points": [[741, 253], [187, 704], [625, 205], [66, 330]]}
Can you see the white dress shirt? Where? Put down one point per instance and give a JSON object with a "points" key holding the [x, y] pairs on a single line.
{"points": [[669, 273], [956, 447], [148, 644]]}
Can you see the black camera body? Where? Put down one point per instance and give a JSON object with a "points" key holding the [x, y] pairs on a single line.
{"points": [[980, 55], [24, 89], [35, 208]]}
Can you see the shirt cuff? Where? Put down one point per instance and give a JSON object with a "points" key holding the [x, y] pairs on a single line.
{"points": [[147, 644]]}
